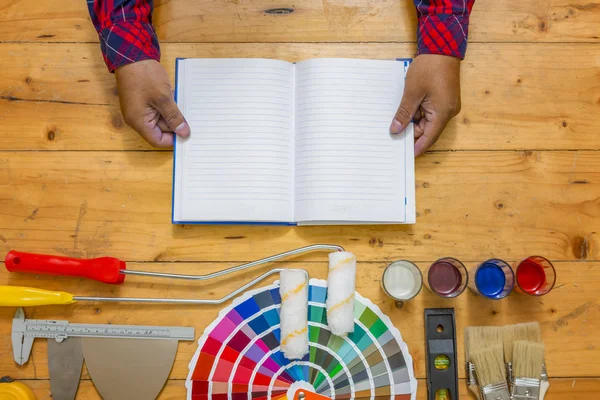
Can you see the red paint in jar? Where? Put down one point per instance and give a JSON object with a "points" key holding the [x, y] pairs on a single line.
{"points": [[531, 276], [535, 276]]}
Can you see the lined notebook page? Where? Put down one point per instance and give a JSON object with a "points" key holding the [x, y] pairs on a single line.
{"points": [[237, 164], [348, 167]]}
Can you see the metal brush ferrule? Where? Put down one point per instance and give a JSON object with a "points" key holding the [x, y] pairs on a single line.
{"points": [[470, 369], [497, 391], [544, 373], [509, 372], [525, 389]]}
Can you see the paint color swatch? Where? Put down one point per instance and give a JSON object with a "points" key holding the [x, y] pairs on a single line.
{"points": [[239, 355]]}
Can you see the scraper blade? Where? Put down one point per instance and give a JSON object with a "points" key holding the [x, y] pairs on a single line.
{"points": [[125, 369], [65, 360]]}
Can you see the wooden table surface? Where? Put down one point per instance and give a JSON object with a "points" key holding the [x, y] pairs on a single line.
{"points": [[517, 173]]}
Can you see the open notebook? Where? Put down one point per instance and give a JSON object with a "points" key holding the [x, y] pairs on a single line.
{"points": [[304, 143]]}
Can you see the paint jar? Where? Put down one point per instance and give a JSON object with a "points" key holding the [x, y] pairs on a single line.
{"points": [[447, 277], [493, 279], [402, 280], [535, 276]]}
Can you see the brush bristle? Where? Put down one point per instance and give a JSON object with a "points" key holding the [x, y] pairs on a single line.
{"points": [[528, 358], [480, 337], [467, 343], [529, 331], [489, 365]]}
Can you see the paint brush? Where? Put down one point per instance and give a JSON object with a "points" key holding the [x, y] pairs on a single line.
{"points": [[478, 337], [528, 365], [470, 367], [529, 331], [490, 371]]}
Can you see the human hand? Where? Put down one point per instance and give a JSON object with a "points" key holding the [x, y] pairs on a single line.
{"points": [[431, 98], [147, 103]]}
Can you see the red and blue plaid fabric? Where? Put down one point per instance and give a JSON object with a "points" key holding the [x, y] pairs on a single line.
{"points": [[125, 30], [443, 26], [127, 35]]}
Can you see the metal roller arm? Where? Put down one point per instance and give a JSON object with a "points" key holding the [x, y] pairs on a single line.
{"points": [[241, 267], [180, 301], [210, 276]]}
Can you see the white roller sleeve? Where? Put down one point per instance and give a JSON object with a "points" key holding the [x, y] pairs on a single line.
{"points": [[293, 288], [341, 284]]}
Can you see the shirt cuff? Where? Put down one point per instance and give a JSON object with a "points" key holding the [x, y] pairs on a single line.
{"points": [[444, 34], [127, 42]]}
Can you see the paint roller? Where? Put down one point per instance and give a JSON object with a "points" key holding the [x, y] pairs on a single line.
{"points": [[340, 300], [341, 284], [293, 288]]}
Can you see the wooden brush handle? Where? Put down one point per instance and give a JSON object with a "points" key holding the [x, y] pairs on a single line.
{"points": [[474, 389]]}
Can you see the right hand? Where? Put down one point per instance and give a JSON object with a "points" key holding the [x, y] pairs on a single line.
{"points": [[147, 103], [431, 97]]}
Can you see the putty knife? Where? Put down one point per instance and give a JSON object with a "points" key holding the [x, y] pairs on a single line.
{"points": [[126, 369], [65, 360]]}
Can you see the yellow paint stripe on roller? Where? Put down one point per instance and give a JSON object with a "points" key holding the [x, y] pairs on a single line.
{"points": [[293, 334], [296, 290], [341, 303], [341, 263]]}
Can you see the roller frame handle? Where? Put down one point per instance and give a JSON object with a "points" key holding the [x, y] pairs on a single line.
{"points": [[20, 296], [104, 269]]}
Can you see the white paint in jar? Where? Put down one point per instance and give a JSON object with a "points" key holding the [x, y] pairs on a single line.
{"points": [[402, 280]]}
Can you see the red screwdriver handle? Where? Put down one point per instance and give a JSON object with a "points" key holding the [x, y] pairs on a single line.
{"points": [[104, 269]]}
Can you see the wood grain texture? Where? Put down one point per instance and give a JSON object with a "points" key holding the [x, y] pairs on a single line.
{"points": [[59, 126], [311, 21], [560, 389], [471, 205], [571, 311], [547, 100], [516, 173]]}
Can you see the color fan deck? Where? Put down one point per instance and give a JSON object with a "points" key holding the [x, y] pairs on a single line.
{"points": [[239, 354]]}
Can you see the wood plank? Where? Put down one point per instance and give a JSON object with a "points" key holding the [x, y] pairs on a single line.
{"points": [[29, 125], [560, 389], [472, 205], [72, 73], [311, 21], [570, 311], [509, 101], [31, 20]]}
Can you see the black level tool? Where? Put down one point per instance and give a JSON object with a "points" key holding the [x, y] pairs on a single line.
{"points": [[442, 360]]}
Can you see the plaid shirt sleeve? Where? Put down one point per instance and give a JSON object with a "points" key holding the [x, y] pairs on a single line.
{"points": [[125, 30], [443, 26]]}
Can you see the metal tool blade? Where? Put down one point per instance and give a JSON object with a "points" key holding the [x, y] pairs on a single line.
{"points": [[65, 360], [125, 369]]}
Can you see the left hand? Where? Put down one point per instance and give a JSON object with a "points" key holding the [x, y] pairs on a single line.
{"points": [[431, 98], [147, 103]]}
